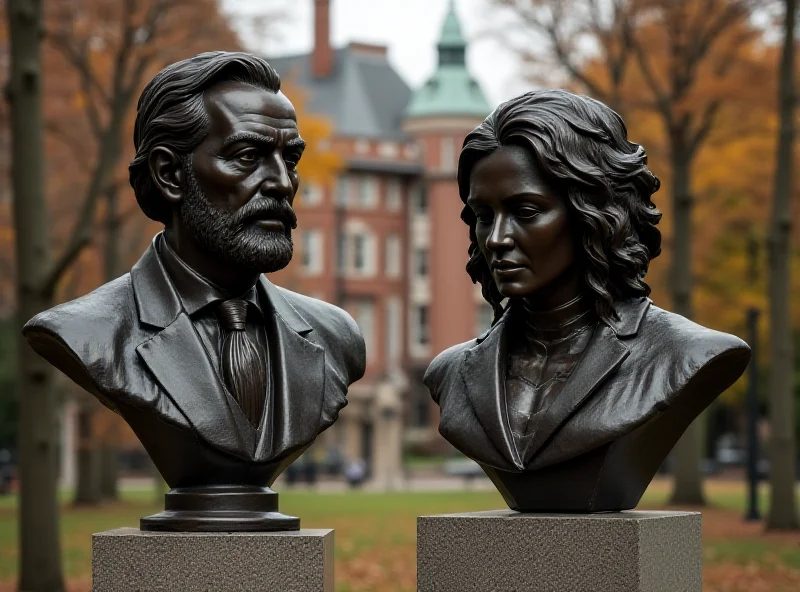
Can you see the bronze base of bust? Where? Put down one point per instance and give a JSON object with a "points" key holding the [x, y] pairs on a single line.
{"points": [[220, 508]]}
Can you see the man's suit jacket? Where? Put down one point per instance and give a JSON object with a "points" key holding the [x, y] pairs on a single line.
{"points": [[131, 344], [638, 385]]}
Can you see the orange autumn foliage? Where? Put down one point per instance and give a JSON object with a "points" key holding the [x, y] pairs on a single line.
{"points": [[734, 160]]}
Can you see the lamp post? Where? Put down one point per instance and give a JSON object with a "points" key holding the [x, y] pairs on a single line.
{"points": [[752, 418], [752, 387]]}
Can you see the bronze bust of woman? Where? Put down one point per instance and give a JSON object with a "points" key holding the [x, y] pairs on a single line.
{"points": [[582, 386]]}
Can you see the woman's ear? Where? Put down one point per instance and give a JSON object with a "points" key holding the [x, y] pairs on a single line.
{"points": [[166, 170]]}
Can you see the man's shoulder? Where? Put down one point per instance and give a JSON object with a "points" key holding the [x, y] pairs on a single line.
{"points": [[334, 329], [101, 311], [82, 337], [445, 366], [320, 315]]}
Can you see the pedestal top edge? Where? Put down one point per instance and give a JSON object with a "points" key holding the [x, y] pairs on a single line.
{"points": [[512, 514], [135, 532]]}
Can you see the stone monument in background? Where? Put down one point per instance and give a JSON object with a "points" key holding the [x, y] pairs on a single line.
{"points": [[573, 398]]}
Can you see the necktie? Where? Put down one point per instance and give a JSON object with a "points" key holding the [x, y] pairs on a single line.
{"points": [[243, 363]]}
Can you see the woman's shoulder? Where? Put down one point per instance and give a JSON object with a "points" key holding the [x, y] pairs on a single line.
{"points": [[675, 340]]}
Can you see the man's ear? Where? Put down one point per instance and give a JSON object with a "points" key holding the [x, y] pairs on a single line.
{"points": [[166, 170]]}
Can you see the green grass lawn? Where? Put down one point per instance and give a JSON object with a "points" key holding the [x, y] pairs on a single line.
{"points": [[375, 533]]}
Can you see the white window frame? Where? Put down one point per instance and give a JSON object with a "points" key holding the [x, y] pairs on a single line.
{"points": [[311, 194], [367, 192], [357, 232], [394, 194], [393, 256], [421, 332], [312, 252]]}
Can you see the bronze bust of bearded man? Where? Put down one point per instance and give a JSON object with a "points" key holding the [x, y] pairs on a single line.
{"points": [[582, 386], [224, 377]]}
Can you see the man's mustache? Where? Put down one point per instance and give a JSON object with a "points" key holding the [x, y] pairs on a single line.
{"points": [[269, 208]]}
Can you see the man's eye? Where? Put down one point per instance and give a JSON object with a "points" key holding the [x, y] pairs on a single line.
{"points": [[247, 156], [484, 217], [291, 161]]}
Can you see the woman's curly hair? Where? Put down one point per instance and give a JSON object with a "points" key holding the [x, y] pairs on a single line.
{"points": [[582, 148]]}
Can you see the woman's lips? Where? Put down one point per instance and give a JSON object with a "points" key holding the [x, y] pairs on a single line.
{"points": [[506, 267]]}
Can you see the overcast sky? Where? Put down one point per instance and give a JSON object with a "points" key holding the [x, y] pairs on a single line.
{"points": [[409, 28]]}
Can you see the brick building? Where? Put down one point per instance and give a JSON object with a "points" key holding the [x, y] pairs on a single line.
{"points": [[386, 242]]}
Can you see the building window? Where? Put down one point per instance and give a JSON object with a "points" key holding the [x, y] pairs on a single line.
{"points": [[421, 325], [447, 154], [419, 200], [394, 337], [364, 316], [357, 251], [310, 194], [359, 242], [393, 256], [312, 252], [362, 147], [421, 262], [367, 192], [343, 191], [388, 150], [394, 195]]}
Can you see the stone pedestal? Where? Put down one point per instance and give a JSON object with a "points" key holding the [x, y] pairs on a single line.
{"points": [[506, 551], [130, 560]]}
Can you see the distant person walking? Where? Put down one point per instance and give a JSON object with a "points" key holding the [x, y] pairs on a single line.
{"points": [[355, 472]]}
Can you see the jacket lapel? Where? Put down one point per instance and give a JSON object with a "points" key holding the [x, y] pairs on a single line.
{"points": [[298, 375], [484, 376], [176, 357], [603, 355]]}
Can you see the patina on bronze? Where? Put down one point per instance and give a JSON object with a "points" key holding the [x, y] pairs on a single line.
{"points": [[580, 389], [224, 377]]}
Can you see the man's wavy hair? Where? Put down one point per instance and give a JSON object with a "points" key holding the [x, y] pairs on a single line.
{"points": [[582, 149], [171, 113]]}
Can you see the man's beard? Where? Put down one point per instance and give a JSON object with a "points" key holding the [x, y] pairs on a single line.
{"points": [[231, 237]]}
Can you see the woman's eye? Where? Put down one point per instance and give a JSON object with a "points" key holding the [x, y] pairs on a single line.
{"points": [[526, 213], [484, 217]]}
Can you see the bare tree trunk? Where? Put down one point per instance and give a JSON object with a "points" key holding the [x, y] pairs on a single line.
{"points": [[88, 491], [688, 484], [109, 447], [39, 548], [783, 501]]}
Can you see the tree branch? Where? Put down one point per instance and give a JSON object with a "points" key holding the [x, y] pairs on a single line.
{"points": [[707, 119], [661, 98]]}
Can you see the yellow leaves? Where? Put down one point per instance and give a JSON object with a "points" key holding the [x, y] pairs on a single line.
{"points": [[320, 164], [79, 101]]}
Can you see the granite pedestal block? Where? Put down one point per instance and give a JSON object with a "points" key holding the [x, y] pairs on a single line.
{"points": [[130, 560], [505, 551]]}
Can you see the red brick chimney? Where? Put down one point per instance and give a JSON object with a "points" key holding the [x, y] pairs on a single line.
{"points": [[322, 58]]}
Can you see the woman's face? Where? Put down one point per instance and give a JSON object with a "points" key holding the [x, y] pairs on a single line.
{"points": [[523, 229]]}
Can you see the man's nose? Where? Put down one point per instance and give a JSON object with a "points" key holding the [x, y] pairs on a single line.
{"points": [[500, 238], [276, 181]]}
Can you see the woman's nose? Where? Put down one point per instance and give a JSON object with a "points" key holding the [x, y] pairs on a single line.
{"points": [[500, 237]]}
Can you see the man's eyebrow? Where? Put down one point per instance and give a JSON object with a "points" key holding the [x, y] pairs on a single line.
{"points": [[296, 142], [253, 137]]}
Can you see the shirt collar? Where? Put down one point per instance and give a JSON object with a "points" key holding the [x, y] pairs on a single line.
{"points": [[194, 291]]}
